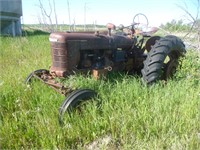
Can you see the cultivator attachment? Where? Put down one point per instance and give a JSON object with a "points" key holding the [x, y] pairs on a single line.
{"points": [[44, 76], [73, 97]]}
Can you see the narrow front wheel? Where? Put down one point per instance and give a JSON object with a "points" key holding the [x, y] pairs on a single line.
{"points": [[74, 101]]}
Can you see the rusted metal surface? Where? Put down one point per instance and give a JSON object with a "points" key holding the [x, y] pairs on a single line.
{"points": [[99, 73], [48, 79], [66, 48]]}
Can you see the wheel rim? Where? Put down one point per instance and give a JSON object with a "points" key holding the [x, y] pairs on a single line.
{"points": [[170, 66]]}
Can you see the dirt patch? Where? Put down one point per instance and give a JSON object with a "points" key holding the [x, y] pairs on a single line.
{"points": [[100, 143]]}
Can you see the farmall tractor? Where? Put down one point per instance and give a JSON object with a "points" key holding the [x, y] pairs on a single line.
{"points": [[122, 49]]}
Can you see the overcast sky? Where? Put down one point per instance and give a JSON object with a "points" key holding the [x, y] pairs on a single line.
{"points": [[114, 11]]}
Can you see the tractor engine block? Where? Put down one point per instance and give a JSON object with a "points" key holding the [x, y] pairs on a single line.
{"points": [[78, 51]]}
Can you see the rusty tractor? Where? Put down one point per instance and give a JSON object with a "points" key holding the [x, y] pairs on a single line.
{"points": [[122, 49]]}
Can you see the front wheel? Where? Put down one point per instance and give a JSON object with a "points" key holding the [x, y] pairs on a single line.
{"points": [[162, 60], [74, 101]]}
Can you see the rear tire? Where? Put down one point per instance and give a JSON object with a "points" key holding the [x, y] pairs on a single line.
{"points": [[150, 42], [162, 60]]}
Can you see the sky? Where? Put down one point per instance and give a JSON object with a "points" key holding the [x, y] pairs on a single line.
{"points": [[110, 11]]}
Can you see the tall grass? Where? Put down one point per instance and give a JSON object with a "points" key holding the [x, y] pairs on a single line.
{"points": [[163, 116]]}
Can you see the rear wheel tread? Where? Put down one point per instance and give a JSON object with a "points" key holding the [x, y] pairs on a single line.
{"points": [[154, 64]]}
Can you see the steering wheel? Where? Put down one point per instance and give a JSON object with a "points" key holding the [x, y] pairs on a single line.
{"points": [[141, 21]]}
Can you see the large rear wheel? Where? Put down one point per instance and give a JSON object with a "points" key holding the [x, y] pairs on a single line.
{"points": [[162, 60]]}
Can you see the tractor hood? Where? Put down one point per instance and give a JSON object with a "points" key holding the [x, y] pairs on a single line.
{"points": [[66, 48], [92, 41]]}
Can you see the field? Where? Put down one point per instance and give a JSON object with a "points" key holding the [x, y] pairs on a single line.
{"points": [[132, 116]]}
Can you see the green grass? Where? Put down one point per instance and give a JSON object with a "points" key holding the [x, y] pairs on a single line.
{"points": [[163, 116]]}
